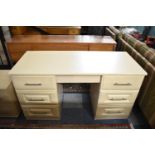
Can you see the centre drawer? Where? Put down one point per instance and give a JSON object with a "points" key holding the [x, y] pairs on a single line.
{"points": [[117, 97], [37, 96], [34, 82], [121, 82], [41, 112]]}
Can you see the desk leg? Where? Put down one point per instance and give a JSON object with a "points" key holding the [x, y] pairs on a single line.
{"points": [[94, 93]]}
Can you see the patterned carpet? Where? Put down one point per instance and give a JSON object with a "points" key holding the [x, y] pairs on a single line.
{"points": [[63, 126]]}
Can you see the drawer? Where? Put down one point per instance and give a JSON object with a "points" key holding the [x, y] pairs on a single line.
{"points": [[37, 96], [102, 47], [78, 79], [41, 112], [117, 97], [73, 32], [121, 82], [34, 82], [104, 112]]}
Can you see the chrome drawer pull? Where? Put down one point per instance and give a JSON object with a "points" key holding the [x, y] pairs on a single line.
{"points": [[32, 84], [110, 111], [36, 100], [122, 84], [117, 99], [114, 112], [38, 112]]}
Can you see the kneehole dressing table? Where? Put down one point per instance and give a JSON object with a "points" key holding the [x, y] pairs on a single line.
{"points": [[114, 77]]}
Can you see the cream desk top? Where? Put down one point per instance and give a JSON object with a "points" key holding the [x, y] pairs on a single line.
{"points": [[76, 63]]}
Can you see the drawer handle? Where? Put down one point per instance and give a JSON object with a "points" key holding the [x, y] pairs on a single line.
{"points": [[113, 111], [36, 100], [39, 112], [33, 84], [117, 99], [122, 84]]}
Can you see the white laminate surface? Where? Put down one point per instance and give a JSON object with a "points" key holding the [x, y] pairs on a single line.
{"points": [[76, 63]]}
